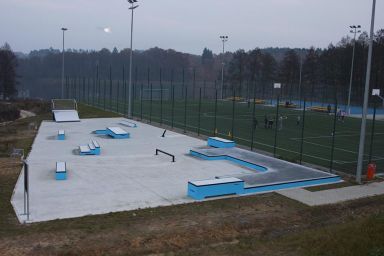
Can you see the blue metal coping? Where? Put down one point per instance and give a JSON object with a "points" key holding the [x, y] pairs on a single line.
{"points": [[61, 136], [241, 162]]}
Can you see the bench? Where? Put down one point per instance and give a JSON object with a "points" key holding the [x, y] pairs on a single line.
{"points": [[220, 143], [61, 171], [202, 189], [61, 135], [92, 149]]}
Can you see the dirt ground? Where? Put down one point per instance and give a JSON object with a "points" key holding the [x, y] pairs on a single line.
{"points": [[267, 224]]}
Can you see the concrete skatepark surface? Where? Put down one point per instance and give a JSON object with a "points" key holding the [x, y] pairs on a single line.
{"points": [[125, 176]]}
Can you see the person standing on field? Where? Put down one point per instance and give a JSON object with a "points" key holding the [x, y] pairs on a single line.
{"points": [[280, 122]]}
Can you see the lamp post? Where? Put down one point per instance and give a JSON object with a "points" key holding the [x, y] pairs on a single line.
{"points": [[354, 30], [133, 7], [62, 68], [360, 158], [223, 39]]}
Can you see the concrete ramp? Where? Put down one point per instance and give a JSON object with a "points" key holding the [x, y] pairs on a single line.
{"points": [[65, 116]]}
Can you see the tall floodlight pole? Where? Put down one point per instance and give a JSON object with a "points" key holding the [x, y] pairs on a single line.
{"points": [[360, 158], [133, 7], [62, 68], [223, 39], [354, 30]]}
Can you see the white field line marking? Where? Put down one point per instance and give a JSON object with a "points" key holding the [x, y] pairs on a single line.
{"points": [[330, 136]]}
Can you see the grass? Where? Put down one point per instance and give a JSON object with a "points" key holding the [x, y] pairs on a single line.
{"points": [[318, 145], [267, 224]]}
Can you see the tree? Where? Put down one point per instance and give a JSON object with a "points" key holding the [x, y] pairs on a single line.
{"points": [[289, 72], [310, 73], [268, 74], [237, 68], [8, 64]]}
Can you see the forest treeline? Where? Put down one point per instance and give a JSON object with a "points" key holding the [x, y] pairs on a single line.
{"points": [[311, 73]]}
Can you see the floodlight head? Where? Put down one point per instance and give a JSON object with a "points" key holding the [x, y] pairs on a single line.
{"points": [[132, 1], [352, 26], [351, 31], [359, 31], [358, 26], [64, 29]]}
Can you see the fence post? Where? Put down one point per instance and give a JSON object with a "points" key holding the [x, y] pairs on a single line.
{"points": [[66, 87], [204, 86], [150, 105], [194, 83], [134, 92], [185, 109], [173, 102], [233, 113], [98, 92], [117, 96], [141, 102], [276, 120], [105, 92], [215, 119], [88, 90], [333, 138], [83, 89], [302, 132], [125, 111], [253, 117], [373, 130], [161, 99], [199, 118], [110, 87], [173, 99]]}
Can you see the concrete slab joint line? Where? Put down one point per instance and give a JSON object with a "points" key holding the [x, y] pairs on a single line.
{"points": [[333, 196]]}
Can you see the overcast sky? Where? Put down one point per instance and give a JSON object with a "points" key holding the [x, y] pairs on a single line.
{"points": [[183, 25]]}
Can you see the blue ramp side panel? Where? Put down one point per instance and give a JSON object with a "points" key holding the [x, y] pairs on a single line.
{"points": [[220, 143], [199, 190], [216, 187], [61, 171], [101, 132], [61, 135]]}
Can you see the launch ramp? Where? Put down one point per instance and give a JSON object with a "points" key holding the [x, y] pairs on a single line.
{"points": [[65, 110]]}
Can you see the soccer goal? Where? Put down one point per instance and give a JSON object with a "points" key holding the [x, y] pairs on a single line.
{"points": [[156, 94], [63, 104]]}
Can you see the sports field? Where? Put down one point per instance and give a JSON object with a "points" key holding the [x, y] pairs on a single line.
{"points": [[234, 119]]}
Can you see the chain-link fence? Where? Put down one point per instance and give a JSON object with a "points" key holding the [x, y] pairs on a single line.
{"points": [[300, 131]]}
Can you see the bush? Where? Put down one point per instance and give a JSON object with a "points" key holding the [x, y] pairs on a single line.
{"points": [[8, 112]]}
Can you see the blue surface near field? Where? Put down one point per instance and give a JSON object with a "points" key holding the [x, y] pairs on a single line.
{"points": [[354, 109]]}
